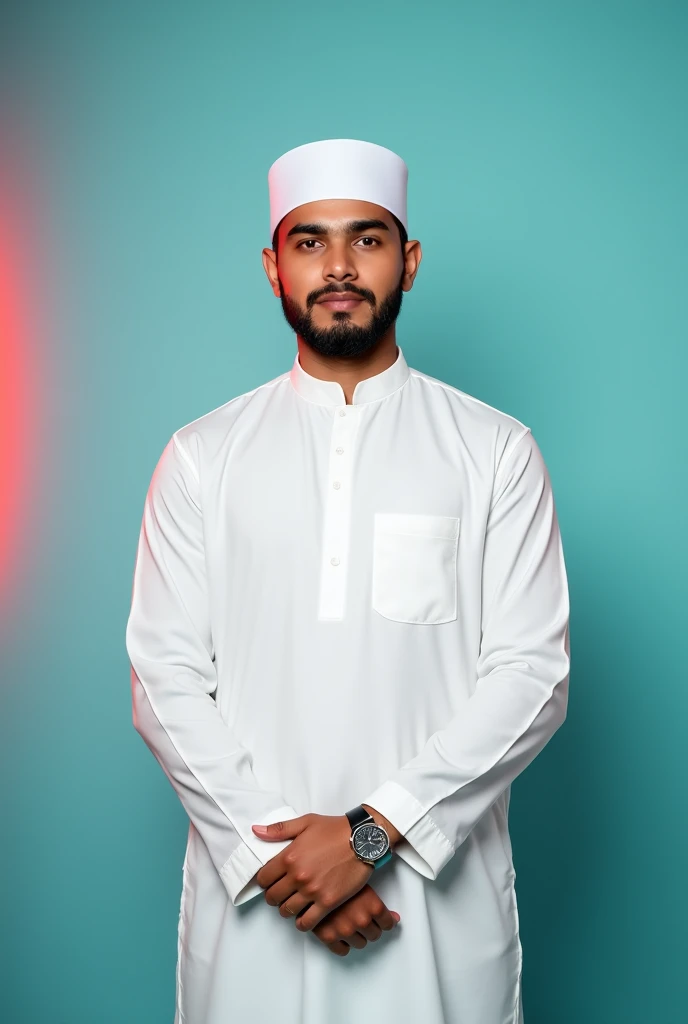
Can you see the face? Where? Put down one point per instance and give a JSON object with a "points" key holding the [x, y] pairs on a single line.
{"points": [[340, 272]]}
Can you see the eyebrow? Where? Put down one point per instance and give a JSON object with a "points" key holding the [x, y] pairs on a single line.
{"points": [[352, 227]]}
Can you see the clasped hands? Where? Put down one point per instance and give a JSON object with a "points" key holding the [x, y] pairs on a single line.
{"points": [[319, 878]]}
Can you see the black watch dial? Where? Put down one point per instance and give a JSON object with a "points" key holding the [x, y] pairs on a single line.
{"points": [[370, 842]]}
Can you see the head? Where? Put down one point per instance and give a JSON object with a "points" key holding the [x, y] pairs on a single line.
{"points": [[340, 268]]}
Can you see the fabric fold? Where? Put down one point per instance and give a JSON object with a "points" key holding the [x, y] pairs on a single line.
{"points": [[522, 675], [170, 647]]}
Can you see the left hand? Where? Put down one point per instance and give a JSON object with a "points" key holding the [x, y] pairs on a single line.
{"points": [[318, 868], [360, 920]]}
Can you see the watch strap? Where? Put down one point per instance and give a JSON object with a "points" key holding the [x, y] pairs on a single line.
{"points": [[383, 859], [357, 815]]}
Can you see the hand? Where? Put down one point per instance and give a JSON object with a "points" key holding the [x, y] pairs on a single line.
{"points": [[361, 919], [318, 868]]}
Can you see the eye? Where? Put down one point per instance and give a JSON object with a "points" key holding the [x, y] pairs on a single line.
{"points": [[308, 243], [369, 240]]}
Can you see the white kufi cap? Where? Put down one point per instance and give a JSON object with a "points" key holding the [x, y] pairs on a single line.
{"points": [[337, 169]]}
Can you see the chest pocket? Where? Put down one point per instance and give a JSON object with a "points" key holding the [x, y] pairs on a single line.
{"points": [[415, 567]]}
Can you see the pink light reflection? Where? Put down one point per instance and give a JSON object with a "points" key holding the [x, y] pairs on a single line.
{"points": [[19, 406]]}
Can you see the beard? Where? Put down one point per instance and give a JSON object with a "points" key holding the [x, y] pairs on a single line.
{"points": [[344, 340]]}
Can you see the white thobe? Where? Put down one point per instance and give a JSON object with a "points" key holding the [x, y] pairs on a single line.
{"points": [[337, 604]]}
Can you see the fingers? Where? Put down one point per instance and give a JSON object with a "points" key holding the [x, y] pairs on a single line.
{"points": [[361, 915], [360, 920], [353, 940], [312, 916], [370, 931], [377, 911], [348, 934], [385, 920], [272, 871], [280, 891], [293, 906], [288, 900], [339, 948]]}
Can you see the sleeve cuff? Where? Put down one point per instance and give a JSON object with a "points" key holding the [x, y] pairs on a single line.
{"points": [[250, 855], [424, 846]]}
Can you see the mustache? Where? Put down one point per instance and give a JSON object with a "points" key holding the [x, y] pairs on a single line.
{"points": [[333, 289]]}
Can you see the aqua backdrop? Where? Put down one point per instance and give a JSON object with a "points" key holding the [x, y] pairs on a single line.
{"points": [[547, 151]]}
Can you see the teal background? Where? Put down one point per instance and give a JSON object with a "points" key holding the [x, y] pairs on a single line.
{"points": [[547, 151]]}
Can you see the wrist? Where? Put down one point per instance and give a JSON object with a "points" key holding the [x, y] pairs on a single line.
{"points": [[394, 834]]}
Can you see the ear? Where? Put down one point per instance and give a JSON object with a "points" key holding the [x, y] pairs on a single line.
{"points": [[412, 258], [270, 268]]}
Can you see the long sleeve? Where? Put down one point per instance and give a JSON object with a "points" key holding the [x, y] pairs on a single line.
{"points": [[521, 690], [173, 675]]}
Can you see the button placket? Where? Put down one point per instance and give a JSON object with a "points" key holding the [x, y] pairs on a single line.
{"points": [[336, 526]]}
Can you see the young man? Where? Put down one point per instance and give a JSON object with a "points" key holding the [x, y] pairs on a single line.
{"points": [[349, 623]]}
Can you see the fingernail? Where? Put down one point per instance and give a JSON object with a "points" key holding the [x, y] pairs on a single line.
{"points": [[260, 828], [397, 916]]}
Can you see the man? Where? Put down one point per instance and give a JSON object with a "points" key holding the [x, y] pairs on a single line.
{"points": [[349, 624]]}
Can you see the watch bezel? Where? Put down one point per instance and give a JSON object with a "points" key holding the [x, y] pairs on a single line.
{"points": [[369, 824]]}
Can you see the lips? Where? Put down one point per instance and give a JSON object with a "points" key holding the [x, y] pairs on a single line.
{"points": [[339, 301]]}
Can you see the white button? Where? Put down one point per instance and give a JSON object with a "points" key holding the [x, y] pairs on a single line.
{"points": [[334, 561], [342, 412], [339, 451], [336, 485]]}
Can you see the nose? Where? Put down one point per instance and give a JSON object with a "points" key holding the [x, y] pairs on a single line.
{"points": [[339, 264]]}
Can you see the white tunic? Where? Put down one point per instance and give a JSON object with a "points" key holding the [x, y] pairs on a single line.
{"points": [[340, 604]]}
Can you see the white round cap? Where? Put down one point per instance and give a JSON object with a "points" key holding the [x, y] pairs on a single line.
{"points": [[337, 169]]}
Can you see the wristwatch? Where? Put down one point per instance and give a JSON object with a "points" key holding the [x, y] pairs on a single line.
{"points": [[369, 841]]}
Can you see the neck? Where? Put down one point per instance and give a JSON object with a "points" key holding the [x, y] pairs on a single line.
{"points": [[348, 372]]}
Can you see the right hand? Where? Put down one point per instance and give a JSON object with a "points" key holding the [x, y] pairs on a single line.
{"points": [[361, 918]]}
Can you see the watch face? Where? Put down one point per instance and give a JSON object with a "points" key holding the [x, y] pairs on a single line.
{"points": [[370, 842]]}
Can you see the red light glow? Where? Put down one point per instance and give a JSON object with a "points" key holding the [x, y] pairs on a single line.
{"points": [[18, 400]]}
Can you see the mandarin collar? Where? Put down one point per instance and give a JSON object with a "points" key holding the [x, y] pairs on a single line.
{"points": [[370, 389]]}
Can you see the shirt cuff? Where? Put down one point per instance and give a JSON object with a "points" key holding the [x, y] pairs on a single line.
{"points": [[424, 846], [250, 855]]}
